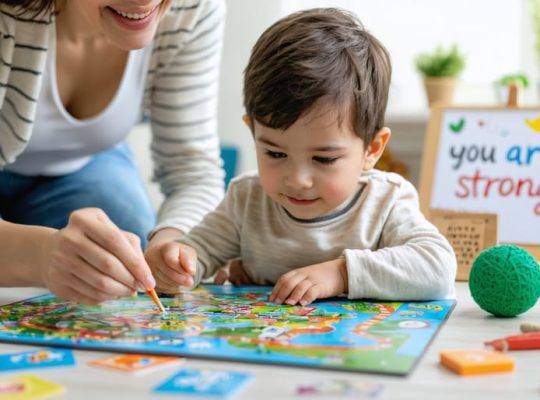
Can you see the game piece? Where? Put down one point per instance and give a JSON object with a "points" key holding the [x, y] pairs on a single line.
{"points": [[469, 362]]}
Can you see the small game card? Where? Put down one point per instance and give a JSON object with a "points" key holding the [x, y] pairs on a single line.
{"points": [[204, 382], [36, 359], [135, 363], [23, 387], [339, 388]]}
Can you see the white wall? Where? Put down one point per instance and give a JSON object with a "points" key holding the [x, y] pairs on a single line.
{"points": [[246, 20], [489, 32]]}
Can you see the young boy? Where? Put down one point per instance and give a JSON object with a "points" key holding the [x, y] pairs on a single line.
{"points": [[317, 220]]}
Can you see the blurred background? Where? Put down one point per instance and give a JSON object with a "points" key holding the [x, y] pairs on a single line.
{"points": [[496, 39]]}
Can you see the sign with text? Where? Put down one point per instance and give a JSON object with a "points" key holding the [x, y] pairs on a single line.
{"points": [[486, 160]]}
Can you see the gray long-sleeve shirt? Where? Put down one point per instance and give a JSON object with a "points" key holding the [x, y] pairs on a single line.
{"points": [[392, 252]]}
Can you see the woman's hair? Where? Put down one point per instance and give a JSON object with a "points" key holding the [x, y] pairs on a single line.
{"points": [[322, 53], [34, 7]]}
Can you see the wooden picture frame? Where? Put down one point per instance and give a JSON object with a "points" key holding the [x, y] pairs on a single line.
{"points": [[498, 135]]}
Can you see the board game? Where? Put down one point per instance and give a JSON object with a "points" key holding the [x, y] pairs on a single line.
{"points": [[237, 324]]}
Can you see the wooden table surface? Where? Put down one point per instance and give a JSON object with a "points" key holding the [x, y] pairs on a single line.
{"points": [[467, 328]]}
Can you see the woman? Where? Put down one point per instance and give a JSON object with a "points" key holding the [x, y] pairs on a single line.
{"points": [[74, 76]]}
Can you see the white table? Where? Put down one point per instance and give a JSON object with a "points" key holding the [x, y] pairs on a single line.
{"points": [[467, 327]]}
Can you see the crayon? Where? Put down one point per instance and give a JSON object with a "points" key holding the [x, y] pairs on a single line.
{"points": [[525, 341], [528, 327], [153, 295]]}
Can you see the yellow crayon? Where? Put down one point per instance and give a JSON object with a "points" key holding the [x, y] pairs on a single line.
{"points": [[529, 327]]}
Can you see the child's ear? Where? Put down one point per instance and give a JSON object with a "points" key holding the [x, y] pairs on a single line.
{"points": [[247, 121], [376, 148]]}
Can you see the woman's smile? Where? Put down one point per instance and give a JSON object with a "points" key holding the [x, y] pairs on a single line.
{"points": [[134, 18]]}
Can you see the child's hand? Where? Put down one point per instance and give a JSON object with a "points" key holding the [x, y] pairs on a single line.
{"points": [[173, 264], [304, 285]]}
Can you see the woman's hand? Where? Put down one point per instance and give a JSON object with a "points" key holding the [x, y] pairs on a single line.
{"points": [[305, 285], [92, 260], [173, 264]]}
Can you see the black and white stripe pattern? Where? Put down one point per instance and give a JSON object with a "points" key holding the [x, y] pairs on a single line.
{"points": [[180, 99], [23, 51], [182, 103]]}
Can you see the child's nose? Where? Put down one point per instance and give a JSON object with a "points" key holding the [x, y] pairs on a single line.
{"points": [[299, 178]]}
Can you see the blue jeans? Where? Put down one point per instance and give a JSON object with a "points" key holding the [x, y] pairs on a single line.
{"points": [[110, 181]]}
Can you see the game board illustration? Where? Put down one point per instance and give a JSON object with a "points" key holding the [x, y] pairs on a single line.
{"points": [[238, 324]]}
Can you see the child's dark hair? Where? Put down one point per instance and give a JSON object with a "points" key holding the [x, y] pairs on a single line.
{"points": [[322, 53]]}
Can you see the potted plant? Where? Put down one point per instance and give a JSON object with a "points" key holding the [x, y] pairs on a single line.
{"points": [[511, 85], [440, 70]]}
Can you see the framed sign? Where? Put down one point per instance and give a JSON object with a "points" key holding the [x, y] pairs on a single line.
{"points": [[486, 160]]}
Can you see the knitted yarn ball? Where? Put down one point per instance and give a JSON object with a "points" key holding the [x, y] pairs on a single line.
{"points": [[505, 280]]}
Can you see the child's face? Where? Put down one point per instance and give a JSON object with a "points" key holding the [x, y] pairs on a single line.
{"points": [[128, 24], [312, 167]]}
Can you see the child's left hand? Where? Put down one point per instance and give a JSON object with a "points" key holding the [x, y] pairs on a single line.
{"points": [[304, 285]]}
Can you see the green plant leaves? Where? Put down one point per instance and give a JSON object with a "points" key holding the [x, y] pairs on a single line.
{"points": [[441, 62]]}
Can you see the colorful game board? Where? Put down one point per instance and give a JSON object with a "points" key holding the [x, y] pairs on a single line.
{"points": [[239, 324]]}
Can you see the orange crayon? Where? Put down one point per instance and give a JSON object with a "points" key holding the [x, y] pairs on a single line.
{"points": [[525, 341], [153, 295]]}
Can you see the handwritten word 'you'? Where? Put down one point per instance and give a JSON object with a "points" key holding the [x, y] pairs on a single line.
{"points": [[519, 155]]}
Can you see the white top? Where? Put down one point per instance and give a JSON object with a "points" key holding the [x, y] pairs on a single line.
{"points": [[62, 144], [179, 96], [392, 251]]}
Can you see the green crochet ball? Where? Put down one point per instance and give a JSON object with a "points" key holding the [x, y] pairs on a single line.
{"points": [[505, 280]]}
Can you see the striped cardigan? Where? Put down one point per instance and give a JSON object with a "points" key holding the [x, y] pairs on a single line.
{"points": [[180, 98]]}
